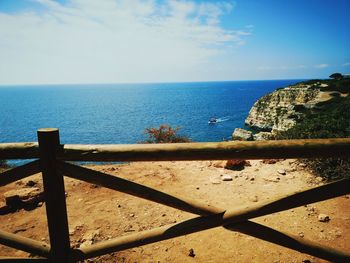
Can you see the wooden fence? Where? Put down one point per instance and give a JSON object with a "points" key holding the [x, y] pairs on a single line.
{"points": [[51, 159]]}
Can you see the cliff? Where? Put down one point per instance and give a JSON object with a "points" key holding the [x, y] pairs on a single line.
{"points": [[281, 109]]}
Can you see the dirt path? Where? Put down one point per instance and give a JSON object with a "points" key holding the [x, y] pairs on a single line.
{"points": [[97, 213]]}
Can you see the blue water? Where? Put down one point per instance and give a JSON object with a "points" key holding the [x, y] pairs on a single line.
{"points": [[119, 113]]}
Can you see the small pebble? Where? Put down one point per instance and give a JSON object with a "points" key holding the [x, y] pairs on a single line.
{"points": [[226, 177], [281, 172], [191, 253], [323, 218]]}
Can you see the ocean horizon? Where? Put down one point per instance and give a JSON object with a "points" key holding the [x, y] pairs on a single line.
{"points": [[119, 113]]}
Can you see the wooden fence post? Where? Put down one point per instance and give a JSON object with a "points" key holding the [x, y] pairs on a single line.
{"points": [[56, 209]]}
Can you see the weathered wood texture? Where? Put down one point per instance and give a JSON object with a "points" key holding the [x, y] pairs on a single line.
{"points": [[188, 227], [19, 173], [209, 151], [290, 241], [55, 199], [339, 147], [49, 151], [20, 260], [25, 244], [20, 150], [234, 216]]}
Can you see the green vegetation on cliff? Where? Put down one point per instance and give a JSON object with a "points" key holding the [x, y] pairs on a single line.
{"points": [[330, 119]]}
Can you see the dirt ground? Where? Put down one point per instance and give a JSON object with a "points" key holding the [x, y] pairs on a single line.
{"points": [[96, 213]]}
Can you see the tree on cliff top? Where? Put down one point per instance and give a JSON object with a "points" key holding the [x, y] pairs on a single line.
{"points": [[165, 134], [336, 76]]}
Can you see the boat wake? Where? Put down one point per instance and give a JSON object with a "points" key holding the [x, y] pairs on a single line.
{"points": [[223, 119], [217, 120]]}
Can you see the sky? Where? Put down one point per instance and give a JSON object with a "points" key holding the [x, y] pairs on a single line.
{"points": [[118, 41]]}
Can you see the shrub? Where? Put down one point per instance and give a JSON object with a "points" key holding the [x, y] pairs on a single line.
{"points": [[331, 120], [165, 134]]}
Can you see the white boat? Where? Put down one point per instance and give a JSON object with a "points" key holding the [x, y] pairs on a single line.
{"points": [[212, 120]]}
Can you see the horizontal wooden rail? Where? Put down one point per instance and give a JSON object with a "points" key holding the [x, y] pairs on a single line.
{"points": [[20, 150], [339, 147], [25, 260], [19, 172], [25, 244], [209, 151], [236, 219]]}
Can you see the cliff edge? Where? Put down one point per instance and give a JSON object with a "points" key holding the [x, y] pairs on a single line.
{"points": [[281, 109]]}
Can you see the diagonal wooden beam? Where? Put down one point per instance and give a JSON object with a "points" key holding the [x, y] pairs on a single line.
{"points": [[203, 223], [19, 172], [234, 216], [290, 241], [125, 186], [25, 244]]}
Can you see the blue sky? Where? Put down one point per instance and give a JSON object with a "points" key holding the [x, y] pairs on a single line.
{"points": [[110, 41]]}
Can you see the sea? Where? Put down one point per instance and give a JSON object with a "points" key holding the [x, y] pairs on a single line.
{"points": [[120, 113]]}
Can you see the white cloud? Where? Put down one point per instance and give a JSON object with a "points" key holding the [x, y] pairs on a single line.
{"points": [[114, 41], [321, 66], [346, 64]]}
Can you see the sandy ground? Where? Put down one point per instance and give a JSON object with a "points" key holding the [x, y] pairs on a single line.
{"points": [[96, 213]]}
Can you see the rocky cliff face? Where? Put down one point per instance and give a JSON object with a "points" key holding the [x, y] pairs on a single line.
{"points": [[281, 109]]}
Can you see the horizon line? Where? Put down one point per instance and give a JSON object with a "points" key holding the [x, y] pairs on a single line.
{"points": [[148, 82]]}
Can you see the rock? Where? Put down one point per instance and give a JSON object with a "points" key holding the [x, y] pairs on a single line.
{"points": [[319, 179], [71, 232], [302, 165], [31, 183], [323, 218], [215, 181], [90, 237], [242, 135], [253, 198], [219, 164], [226, 178], [236, 164], [269, 161], [263, 136], [21, 197], [281, 171], [311, 210], [191, 253], [301, 234]]}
